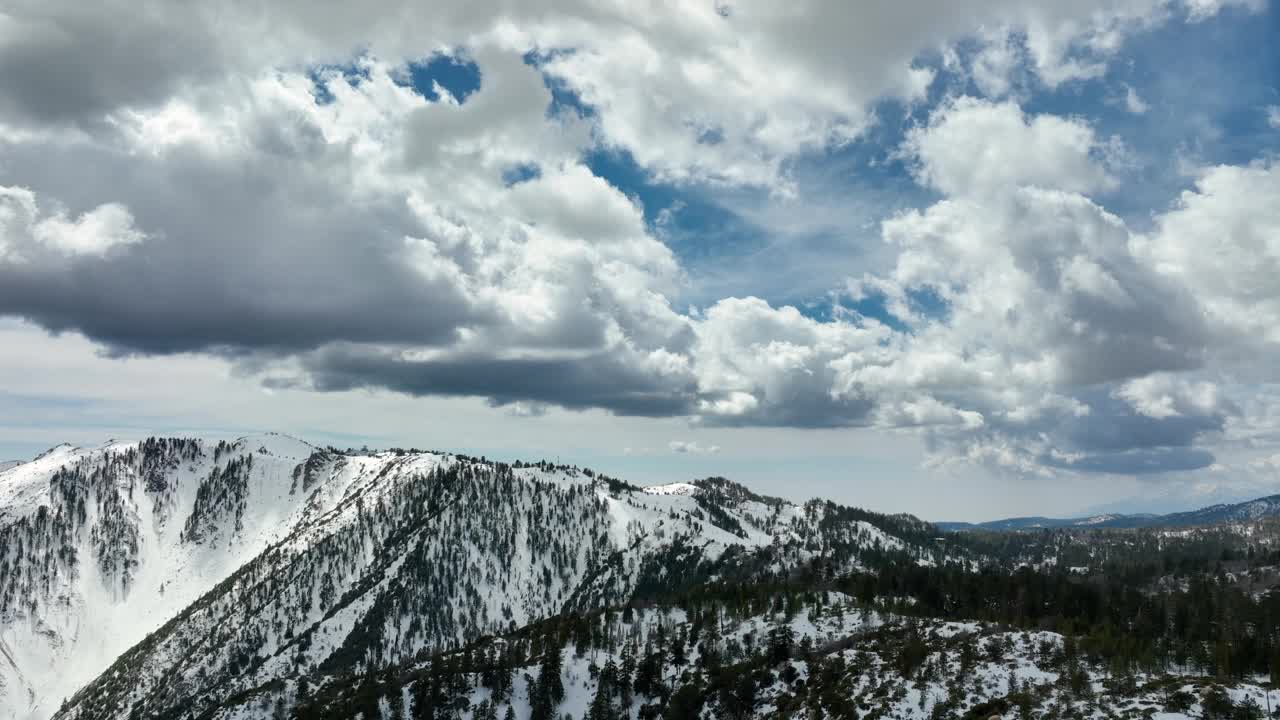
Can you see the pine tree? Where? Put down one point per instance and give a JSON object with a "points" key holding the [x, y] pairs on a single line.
{"points": [[601, 707], [549, 676], [548, 692]]}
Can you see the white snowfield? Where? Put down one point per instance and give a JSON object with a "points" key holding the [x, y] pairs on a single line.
{"points": [[295, 554], [60, 639]]}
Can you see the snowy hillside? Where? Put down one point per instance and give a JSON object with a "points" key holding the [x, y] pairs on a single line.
{"points": [[811, 655], [258, 559], [99, 546]]}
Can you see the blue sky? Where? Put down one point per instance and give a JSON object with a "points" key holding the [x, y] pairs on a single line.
{"points": [[963, 262]]}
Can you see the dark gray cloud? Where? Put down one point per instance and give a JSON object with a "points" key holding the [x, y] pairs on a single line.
{"points": [[239, 257], [596, 381], [1112, 425], [71, 63], [1139, 461], [1100, 431], [1114, 438], [279, 252]]}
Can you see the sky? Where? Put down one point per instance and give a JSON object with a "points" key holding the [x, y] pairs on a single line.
{"points": [[966, 260]]}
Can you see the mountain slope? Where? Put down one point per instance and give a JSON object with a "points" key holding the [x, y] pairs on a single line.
{"points": [[254, 560], [1264, 507], [99, 546], [430, 553], [780, 653]]}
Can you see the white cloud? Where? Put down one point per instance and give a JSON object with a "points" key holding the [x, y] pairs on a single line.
{"points": [[756, 364], [552, 291], [1273, 116], [1221, 240], [1072, 42], [93, 233], [975, 147], [994, 66], [695, 91], [691, 447], [527, 409], [26, 229], [1134, 102], [1163, 396], [1043, 279], [926, 411], [1044, 300], [1198, 10]]}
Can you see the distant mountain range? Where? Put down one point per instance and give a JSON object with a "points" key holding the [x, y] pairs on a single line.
{"points": [[1228, 512]]}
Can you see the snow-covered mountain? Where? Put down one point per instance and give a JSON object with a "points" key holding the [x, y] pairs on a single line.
{"points": [[1258, 509], [100, 546], [180, 572]]}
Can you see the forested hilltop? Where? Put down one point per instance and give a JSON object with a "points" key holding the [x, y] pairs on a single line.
{"points": [[290, 581], [1171, 626]]}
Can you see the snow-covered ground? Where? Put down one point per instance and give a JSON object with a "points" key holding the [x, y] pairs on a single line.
{"points": [[999, 670]]}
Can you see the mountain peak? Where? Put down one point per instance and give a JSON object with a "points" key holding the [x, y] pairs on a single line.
{"points": [[275, 443], [302, 558], [734, 492]]}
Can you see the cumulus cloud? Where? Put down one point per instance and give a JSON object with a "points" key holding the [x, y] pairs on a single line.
{"points": [[245, 189], [287, 224], [994, 67], [757, 364], [1221, 240], [27, 229], [1057, 343], [707, 91], [1162, 396], [973, 146]]}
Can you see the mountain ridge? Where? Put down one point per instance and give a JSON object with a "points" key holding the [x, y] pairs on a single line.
{"points": [[196, 567], [270, 578], [1255, 509]]}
